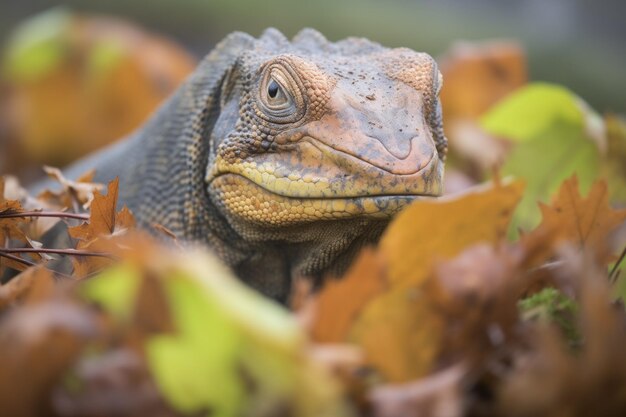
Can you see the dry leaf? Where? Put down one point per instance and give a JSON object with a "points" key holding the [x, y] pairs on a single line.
{"points": [[37, 344], [585, 222], [341, 300], [74, 194], [101, 218], [440, 229], [400, 334], [34, 284]]}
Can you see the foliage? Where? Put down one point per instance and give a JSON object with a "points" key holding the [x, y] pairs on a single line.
{"points": [[449, 315]]}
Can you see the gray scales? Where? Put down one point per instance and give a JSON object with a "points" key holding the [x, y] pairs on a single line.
{"points": [[285, 157]]}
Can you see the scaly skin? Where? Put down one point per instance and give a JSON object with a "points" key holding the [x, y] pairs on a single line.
{"points": [[286, 157]]}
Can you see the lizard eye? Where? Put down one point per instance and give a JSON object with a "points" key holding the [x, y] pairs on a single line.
{"points": [[272, 89], [275, 94], [280, 94]]}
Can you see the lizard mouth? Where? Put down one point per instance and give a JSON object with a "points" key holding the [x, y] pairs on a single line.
{"points": [[309, 180], [240, 196], [312, 169]]}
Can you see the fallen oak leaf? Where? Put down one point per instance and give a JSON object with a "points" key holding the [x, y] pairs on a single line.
{"points": [[585, 222]]}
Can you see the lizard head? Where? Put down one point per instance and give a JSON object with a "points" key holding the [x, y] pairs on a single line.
{"points": [[310, 130]]}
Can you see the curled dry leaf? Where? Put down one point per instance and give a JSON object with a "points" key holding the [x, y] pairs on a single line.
{"points": [[73, 194], [12, 230]]}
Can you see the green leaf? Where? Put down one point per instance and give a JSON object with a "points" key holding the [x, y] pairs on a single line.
{"points": [[114, 290], [233, 352], [197, 368], [556, 135], [614, 168], [531, 110], [38, 45]]}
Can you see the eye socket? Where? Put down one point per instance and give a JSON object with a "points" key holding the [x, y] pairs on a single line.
{"points": [[280, 94]]}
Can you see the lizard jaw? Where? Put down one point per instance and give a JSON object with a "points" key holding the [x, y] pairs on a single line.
{"points": [[245, 199], [310, 169]]}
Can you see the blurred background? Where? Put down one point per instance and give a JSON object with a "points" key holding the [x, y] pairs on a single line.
{"points": [[580, 44]]}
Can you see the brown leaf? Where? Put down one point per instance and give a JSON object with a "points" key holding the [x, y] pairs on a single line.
{"points": [[11, 230], [341, 300], [113, 383], [37, 345], [74, 194], [124, 220], [400, 334], [33, 285], [476, 294], [440, 229], [101, 218], [585, 222], [152, 311], [85, 266]]}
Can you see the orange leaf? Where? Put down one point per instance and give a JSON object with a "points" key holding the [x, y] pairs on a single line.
{"points": [[102, 216], [432, 229], [124, 220], [79, 192], [33, 284], [400, 334], [586, 222], [340, 301]]}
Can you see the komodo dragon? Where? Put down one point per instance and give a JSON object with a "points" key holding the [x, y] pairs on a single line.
{"points": [[286, 157]]}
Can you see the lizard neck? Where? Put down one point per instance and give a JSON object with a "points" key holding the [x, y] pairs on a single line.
{"points": [[269, 259]]}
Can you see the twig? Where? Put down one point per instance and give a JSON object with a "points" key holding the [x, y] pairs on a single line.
{"points": [[60, 214], [614, 271], [70, 252], [18, 259], [31, 263]]}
